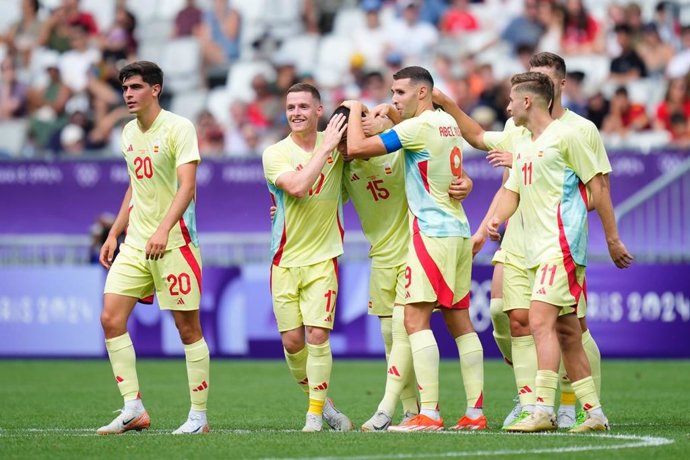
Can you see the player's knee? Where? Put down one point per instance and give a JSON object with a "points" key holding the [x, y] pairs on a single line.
{"points": [[519, 323], [189, 332], [113, 325], [317, 335]]}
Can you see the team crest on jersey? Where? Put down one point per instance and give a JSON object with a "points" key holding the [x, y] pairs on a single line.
{"points": [[156, 147], [330, 159], [387, 168], [540, 153]]}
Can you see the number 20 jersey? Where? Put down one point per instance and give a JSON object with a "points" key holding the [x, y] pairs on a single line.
{"points": [[152, 161]]}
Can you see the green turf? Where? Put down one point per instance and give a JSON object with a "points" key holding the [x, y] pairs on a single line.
{"points": [[50, 409]]}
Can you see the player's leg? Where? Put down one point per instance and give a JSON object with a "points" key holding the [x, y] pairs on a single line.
{"points": [[317, 304], [471, 355], [499, 319], [129, 279], [542, 320], [517, 291], [177, 278]]}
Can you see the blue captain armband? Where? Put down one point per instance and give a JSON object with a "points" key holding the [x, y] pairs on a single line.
{"points": [[391, 140]]}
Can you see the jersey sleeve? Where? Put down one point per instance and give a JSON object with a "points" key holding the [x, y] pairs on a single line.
{"points": [[405, 135], [185, 143], [512, 182], [275, 164], [579, 157], [597, 145], [498, 140]]}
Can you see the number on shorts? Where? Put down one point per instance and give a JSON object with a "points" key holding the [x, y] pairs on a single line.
{"points": [[408, 277], [180, 284], [330, 298], [545, 270]]}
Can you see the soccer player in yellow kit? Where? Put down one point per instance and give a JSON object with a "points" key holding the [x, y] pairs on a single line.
{"points": [[304, 176], [547, 179], [161, 249], [514, 339], [438, 265]]}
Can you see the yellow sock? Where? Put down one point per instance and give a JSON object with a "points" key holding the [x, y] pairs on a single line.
{"points": [[123, 360], [198, 373], [525, 369], [594, 357], [587, 393], [319, 365], [387, 334], [546, 383], [400, 378], [316, 406], [501, 328], [297, 363], [472, 368], [425, 358], [567, 394]]}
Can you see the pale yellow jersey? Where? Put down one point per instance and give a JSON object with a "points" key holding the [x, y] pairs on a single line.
{"points": [[152, 161], [549, 174], [589, 134], [431, 143], [307, 230], [377, 189]]}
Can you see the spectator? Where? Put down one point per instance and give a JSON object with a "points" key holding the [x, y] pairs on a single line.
{"points": [[580, 30], [431, 11], [22, 37], [573, 95], [47, 108], [458, 19], [625, 116], [525, 29], [597, 109], [633, 15], [188, 20], [371, 40], [680, 63], [666, 23], [76, 17], [410, 36], [680, 131], [628, 65], [375, 91], [654, 53], [13, 93], [264, 110], [219, 34], [77, 64], [210, 135], [676, 101], [551, 15], [616, 17], [55, 32], [118, 42]]}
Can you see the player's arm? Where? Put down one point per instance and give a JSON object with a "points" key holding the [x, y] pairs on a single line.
{"points": [[298, 183], [460, 187], [506, 205], [385, 111], [470, 129], [601, 198], [121, 221], [186, 188], [479, 237], [358, 145]]}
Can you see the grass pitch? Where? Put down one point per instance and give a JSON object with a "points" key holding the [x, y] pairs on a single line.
{"points": [[50, 409]]}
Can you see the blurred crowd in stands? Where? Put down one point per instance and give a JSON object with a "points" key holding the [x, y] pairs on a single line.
{"points": [[228, 63]]}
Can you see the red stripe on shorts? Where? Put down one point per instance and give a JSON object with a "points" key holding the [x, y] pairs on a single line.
{"points": [[568, 262], [193, 263]]}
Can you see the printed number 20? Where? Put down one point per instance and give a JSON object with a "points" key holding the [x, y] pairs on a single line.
{"points": [[182, 282]]}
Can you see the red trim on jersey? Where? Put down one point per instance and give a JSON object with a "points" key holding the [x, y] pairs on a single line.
{"points": [[583, 192], [185, 231], [568, 262], [423, 171], [279, 253], [193, 263], [148, 300], [584, 289], [335, 267], [340, 226], [129, 211], [444, 294]]}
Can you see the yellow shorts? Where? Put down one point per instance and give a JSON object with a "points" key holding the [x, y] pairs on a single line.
{"points": [[439, 269], [386, 288], [305, 296], [582, 305], [558, 282], [175, 278]]}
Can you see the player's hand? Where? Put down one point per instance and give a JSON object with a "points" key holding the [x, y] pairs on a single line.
{"points": [[374, 125], [492, 229], [460, 188], [273, 212], [334, 132], [155, 246], [500, 158], [380, 110], [478, 240], [438, 97], [108, 251], [619, 254], [352, 102]]}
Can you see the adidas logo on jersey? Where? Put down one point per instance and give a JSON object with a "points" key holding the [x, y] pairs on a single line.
{"points": [[329, 319], [130, 148], [541, 291], [180, 301], [354, 177]]}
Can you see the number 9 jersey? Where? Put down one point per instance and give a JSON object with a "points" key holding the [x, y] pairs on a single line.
{"points": [[152, 161]]}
